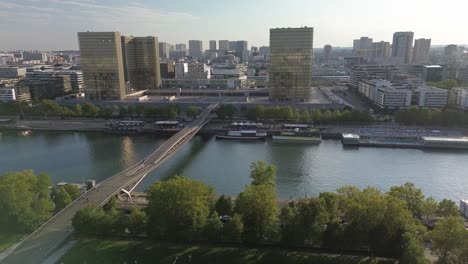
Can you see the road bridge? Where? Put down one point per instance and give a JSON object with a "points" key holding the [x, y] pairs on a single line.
{"points": [[46, 239]]}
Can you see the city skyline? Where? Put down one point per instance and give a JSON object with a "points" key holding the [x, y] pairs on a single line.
{"points": [[33, 24]]}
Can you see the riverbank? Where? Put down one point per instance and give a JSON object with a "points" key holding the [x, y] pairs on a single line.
{"points": [[222, 126], [112, 251]]}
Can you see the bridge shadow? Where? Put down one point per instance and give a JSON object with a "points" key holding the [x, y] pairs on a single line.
{"points": [[197, 144]]}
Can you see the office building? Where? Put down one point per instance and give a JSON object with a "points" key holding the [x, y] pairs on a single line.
{"points": [[7, 95], [430, 97], [76, 79], [102, 65], [167, 70], [264, 51], [291, 56], [363, 47], [358, 73], [380, 51], [239, 49], [34, 56], [368, 87], [460, 97], [164, 50], [198, 71], [181, 70], [223, 45], [48, 84], [451, 54], [433, 73], [12, 72], [179, 47], [393, 97], [141, 63], [213, 45], [422, 48], [402, 47], [196, 49], [327, 50]]}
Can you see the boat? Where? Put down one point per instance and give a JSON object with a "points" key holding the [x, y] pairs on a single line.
{"points": [[298, 137], [243, 135]]}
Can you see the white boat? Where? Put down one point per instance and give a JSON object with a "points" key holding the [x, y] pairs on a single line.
{"points": [[243, 135]]}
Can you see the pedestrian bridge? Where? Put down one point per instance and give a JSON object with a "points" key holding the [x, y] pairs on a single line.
{"points": [[46, 239]]}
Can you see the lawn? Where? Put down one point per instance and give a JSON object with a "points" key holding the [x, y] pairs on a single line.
{"points": [[109, 251], [7, 240]]}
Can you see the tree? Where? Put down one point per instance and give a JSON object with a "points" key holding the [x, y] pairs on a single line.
{"points": [[123, 111], [192, 111], [61, 199], [213, 228], [106, 111], [137, 221], [178, 208], [26, 201], [89, 110], [316, 116], [447, 208], [89, 220], [312, 218], [429, 207], [261, 173], [412, 196], [232, 230], [258, 210], [413, 250], [72, 190], [226, 111], [296, 114], [224, 205], [139, 110], [305, 117], [450, 241]]}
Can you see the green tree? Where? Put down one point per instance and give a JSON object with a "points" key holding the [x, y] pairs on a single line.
{"points": [[262, 173], [429, 207], [447, 208], [72, 190], [139, 110], [296, 114], [232, 230], [450, 241], [305, 117], [316, 116], [106, 111], [224, 205], [89, 110], [213, 228], [192, 111], [172, 114], [413, 250], [89, 220], [412, 196], [123, 111], [137, 221], [258, 209], [26, 201], [61, 199], [226, 111], [178, 208], [286, 113]]}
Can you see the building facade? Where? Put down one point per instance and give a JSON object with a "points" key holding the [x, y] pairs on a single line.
{"points": [[102, 65], [213, 45], [422, 48], [402, 47], [12, 72], [196, 49], [141, 63], [198, 71], [430, 97], [48, 84], [223, 45], [291, 56], [164, 50]]}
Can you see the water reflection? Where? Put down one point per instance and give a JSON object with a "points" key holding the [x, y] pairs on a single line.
{"points": [[128, 151]]}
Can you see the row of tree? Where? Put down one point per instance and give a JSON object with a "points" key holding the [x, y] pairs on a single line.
{"points": [[305, 115], [447, 84], [27, 200], [48, 108], [384, 224], [434, 117]]}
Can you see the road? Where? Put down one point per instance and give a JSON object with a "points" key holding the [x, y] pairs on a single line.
{"points": [[45, 240]]}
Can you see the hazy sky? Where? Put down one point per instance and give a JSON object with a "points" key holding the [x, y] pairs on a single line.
{"points": [[53, 24]]}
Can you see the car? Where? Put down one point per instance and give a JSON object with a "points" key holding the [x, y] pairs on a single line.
{"points": [[225, 218]]}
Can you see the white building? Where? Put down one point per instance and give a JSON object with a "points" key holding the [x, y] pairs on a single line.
{"points": [[7, 95], [393, 97], [431, 97], [460, 97], [181, 70], [368, 88]]}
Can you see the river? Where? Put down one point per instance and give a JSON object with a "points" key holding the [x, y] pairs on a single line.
{"points": [[302, 169]]}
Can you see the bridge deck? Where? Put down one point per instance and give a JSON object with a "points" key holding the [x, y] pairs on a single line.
{"points": [[42, 242]]}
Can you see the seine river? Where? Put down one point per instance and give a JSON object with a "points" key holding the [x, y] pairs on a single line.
{"points": [[302, 169]]}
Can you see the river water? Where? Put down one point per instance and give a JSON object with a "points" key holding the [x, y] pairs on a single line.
{"points": [[302, 169]]}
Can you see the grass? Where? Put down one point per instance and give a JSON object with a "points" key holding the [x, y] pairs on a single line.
{"points": [[7, 240], [108, 251]]}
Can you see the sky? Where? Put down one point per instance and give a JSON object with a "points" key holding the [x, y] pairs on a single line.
{"points": [[53, 24]]}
